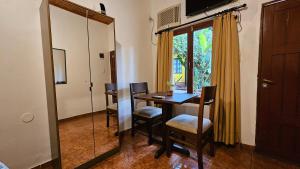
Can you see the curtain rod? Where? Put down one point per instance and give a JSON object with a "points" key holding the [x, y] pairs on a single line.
{"points": [[236, 8]]}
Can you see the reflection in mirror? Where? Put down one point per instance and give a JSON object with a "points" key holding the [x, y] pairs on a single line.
{"points": [[69, 32], [60, 70], [103, 68]]}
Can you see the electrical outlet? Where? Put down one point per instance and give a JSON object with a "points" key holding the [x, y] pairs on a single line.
{"points": [[27, 117]]}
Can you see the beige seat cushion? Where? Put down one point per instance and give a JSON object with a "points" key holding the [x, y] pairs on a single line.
{"points": [[113, 106], [188, 123], [191, 109], [148, 112]]}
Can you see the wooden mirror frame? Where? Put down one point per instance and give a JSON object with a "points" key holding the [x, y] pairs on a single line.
{"points": [[49, 74]]}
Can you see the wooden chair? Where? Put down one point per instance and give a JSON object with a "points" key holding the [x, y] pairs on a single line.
{"points": [[148, 115], [193, 131], [111, 89]]}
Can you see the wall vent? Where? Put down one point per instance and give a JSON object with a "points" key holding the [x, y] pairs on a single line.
{"points": [[169, 17]]}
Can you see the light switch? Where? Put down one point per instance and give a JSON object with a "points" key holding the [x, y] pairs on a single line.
{"points": [[101, 55]]}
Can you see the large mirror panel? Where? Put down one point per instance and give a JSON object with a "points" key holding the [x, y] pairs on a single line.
{"points": [[103, 68], [69, 34]]}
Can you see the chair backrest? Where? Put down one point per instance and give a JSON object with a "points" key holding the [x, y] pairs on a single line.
{"points": [[208, 96], [110, 87], [135, 89]]}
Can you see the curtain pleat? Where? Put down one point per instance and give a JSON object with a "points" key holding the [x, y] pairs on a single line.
{"points": [[226, 75], [164, 61]]}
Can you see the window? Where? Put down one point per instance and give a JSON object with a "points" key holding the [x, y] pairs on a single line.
{"points": [[180, 57], [202, 52], [192, 49]]}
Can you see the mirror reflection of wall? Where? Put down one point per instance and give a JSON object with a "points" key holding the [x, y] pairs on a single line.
{"points": [[101, 38], [87, 112], [69, 32], [60, 68]]}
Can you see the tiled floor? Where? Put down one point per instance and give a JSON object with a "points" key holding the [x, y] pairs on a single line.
{"points": [[105, 138], [77, 139], [136, 154]]}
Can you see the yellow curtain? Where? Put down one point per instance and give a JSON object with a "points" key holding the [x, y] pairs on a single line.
{"points": [[164, 61], [226, 75]]}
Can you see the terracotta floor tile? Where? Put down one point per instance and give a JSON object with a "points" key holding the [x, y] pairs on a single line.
{"points": [[137, 154], [77, 138]]}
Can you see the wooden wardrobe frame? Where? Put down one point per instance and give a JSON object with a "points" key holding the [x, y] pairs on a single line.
{"points": [[49, 74]]}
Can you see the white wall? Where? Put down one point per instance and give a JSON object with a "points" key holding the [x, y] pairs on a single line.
{"points": [[100, 38], [22, 86], [69, 32], [22, 73], [249, 45], [133, 47]]}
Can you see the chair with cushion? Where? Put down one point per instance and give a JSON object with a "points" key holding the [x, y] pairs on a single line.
{"points": [[146, 114], [111, 89], [194, 131]]}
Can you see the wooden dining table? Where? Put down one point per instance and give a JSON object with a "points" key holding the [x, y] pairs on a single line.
{"points": [[167, 103]]}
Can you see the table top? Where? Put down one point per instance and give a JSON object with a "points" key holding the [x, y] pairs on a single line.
{"points": [[176, 98]]}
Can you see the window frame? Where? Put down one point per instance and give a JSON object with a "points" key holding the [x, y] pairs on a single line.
{"points": [[189, 30]]}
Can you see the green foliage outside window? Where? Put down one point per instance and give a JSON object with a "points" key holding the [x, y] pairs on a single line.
{"points": [[202, 55], [202, 58], [180, 54]]}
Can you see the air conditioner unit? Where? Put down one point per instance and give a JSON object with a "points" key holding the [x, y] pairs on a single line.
{"points": [[169, 17]]}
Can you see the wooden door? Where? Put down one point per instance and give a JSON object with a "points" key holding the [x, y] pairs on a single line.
{"points": [[278, 118], [113, 67], [113, 70]]}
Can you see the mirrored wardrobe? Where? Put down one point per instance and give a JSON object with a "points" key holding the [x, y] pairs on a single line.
{"points": [[80, 66]]}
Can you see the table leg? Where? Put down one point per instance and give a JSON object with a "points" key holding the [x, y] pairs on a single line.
{"points": [[166, 115]]}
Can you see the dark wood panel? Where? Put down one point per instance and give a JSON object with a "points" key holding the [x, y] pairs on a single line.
{"points": [[290, 85], [280, 28], [294, 25], [81, 10]]}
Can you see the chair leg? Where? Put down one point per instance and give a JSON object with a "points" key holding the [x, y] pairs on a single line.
{"points": [[199, 154], [132, 127], [149, 129], [107, 118], [212, 144], [168, 143]]}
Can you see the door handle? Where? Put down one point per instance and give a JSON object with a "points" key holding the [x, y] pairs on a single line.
{"points": [[267, 81], [264, 85]]}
